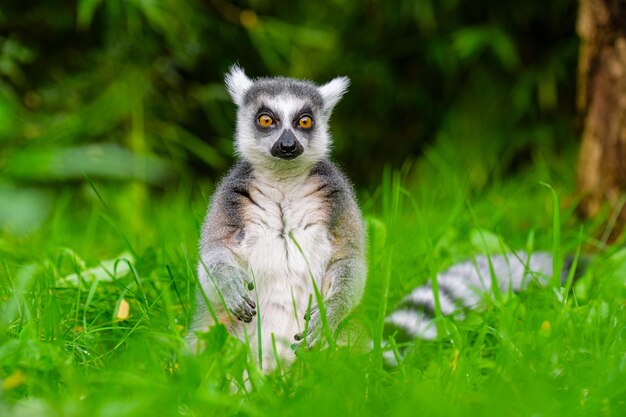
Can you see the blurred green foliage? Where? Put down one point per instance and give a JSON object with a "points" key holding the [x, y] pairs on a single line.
{"points": [[114, 123], [132, 89]]}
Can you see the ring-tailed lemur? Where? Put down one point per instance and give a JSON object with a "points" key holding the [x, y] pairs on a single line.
{"points": [[283, 221]]}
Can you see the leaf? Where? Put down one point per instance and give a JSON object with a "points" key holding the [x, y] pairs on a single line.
{"points": [[107, 271], [486, 241], [105, 160], [14, 380], [287, 40], [86, 10], [9, 115], [545, 329], [23, 210], [215, 339], [191, 142], [472, 41], [123, 310], [113, 106]]}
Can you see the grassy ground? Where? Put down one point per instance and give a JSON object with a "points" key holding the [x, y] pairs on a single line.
{"points": [[72, 344]]}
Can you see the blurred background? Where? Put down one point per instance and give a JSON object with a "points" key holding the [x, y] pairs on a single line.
{"points": [[129, 93]]}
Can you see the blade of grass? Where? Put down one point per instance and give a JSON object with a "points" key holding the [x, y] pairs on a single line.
{"points": [[276, 357], [557, 257], [258, 323], [382, 313], [110, 219], [495, 286]]}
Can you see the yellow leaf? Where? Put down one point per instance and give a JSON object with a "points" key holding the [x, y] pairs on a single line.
{"points": [[455, 360], [14, 380], [123, 310], [248, 19], [545, 329]]}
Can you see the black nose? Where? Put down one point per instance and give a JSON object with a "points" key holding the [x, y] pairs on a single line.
{"points": [[287, 146]]}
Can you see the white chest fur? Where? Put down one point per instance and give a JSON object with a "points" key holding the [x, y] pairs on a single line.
{"points": [[286, 246]]}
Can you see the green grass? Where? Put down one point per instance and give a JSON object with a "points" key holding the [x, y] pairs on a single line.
{"points": [[67, 348]]}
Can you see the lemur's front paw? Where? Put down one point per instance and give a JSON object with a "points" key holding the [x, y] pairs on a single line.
{"points": [[314, 329], [236, 295]]}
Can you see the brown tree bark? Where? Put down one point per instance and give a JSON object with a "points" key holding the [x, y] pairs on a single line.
{"points": [[602, 103]]}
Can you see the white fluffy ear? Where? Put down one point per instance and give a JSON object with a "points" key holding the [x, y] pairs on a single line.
{"points": [[333, 90], [237, 83]]}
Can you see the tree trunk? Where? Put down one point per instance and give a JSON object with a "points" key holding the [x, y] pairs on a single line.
{"points": [[602, 103]]}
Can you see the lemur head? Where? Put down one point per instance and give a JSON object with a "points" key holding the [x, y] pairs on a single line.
{"points": [[282, 123]]}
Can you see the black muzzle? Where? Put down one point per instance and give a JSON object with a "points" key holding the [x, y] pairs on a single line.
{"points": [[287, 146]]}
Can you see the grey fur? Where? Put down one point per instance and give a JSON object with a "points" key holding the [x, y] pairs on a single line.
{"points": [[347, 269], [223, 227], [273, 87], [229, 198]]}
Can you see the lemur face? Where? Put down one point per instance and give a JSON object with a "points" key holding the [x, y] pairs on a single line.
{"points": [[282, 123]]}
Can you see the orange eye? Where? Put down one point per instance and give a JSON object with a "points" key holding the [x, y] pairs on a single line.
{"points": [[305, 122], [266, 120]]}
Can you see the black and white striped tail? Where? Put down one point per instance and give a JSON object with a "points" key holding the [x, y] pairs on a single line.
{"points": [[463, 286]]}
